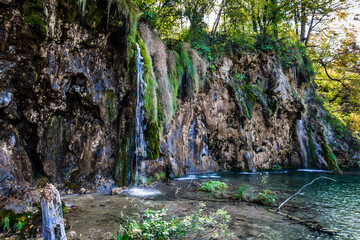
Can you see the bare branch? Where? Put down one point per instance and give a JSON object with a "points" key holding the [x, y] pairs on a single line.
{"points": [[298, 192]]}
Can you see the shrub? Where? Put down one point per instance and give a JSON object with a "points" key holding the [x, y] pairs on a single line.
{"points": [[241, 191], [267, 197], [154, 225], [160, 176], [213, 186], [157, 177]]}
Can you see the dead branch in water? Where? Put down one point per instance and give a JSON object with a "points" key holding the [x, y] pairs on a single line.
{"points": [[298, 192]]}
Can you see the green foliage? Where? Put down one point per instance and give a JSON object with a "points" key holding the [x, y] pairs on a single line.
{"points": [[264, 178], [203, 50], [15, 223], [337, 124], [213, 186], [358, 164], [277, 167], [293, 54], [159, 176], [155, 225], [267, 197], [241, 191], [18, 226], [6, 224]]}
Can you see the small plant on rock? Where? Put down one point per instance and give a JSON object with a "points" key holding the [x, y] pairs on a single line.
{"points": [[6, 223], [241, 191], [18, 226], [267, 197], [277, 167], [213, 186]]}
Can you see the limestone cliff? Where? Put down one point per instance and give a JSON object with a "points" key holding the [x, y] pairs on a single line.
{"points": [[68, 98]]}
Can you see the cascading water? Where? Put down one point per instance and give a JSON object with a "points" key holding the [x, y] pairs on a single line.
{"points": [[140, 144]]}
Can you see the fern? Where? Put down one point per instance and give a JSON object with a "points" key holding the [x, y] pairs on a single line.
{"points": [[6, 224]]}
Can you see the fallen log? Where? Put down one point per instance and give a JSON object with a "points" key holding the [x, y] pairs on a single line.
{"points": [[52, 215]]}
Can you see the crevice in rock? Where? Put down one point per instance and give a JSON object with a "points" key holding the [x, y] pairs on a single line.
{"points": [[29, 140]]}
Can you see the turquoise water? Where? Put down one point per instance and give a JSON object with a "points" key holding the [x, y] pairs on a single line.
{"points": [[336, 205]]}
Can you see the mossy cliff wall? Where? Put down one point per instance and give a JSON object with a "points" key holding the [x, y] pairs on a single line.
{"points": [[68, 97], [69, 87]]}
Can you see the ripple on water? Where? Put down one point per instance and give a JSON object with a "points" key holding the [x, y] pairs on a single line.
{"points": [[313, 170], [142, 192], [199, 176]]}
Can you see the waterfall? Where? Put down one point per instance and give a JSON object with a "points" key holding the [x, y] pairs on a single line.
{"points": [[303, 142], [140, 144]]}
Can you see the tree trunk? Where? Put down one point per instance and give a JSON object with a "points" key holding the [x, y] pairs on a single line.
{"points": [[302, 22], [52, 215], [296, 22]]}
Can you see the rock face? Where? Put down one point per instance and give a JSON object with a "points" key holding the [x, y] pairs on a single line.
{"points": [[212, 132], [62, 85], [68, 98]]}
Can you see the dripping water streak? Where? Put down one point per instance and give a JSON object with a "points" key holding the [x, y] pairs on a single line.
{"points": [[140, 144]]}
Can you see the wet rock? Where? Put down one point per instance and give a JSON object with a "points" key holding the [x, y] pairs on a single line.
{"points": [[5, 98], [72, 235], [15, 171], [117, 191]]}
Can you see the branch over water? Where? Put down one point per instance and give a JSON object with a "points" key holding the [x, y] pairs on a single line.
{"points": [[298, 192]]}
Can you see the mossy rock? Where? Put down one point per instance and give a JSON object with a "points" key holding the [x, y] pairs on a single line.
{"points": [[153, 140], [123, 173], [329, 156], [33, 15], [312, 146], [72, 186]]}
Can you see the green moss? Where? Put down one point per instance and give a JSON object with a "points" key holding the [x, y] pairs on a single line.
{"points": [[150, 103], [33, 11], [38, 23], [246, 99], [311, 143], [123, 173], [328, 155], [152, 140], [72, 186], [175, 76], [110, 104], [94, 14], [296, 56]]}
